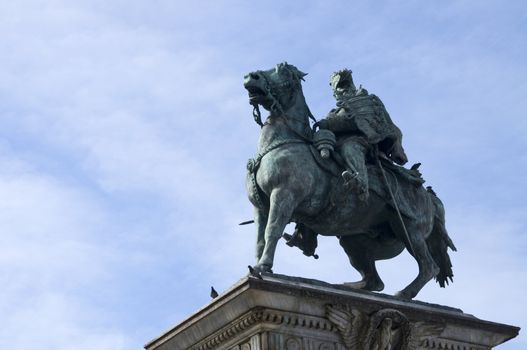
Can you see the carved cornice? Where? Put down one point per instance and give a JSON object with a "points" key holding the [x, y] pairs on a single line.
{"points": [[438, 343], [264, 316], [230, 331], [297, 320], [358, 330]]}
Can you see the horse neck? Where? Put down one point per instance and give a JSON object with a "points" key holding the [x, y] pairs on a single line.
{"points": [[292, 124]]}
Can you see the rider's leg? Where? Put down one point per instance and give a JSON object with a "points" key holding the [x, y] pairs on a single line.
{"points": [[356, 175]]}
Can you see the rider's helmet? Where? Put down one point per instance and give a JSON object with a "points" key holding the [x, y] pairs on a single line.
{"points": [[342, 84]]}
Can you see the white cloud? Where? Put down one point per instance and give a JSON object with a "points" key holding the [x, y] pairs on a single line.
{"points": [[57, 321], [47, 254], [126, 131]]}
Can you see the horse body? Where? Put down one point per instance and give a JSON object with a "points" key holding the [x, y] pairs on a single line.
{"points": [[296, 188]]}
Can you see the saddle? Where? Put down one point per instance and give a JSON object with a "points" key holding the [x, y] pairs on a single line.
{"points": [[398, 177], [335, 166]]}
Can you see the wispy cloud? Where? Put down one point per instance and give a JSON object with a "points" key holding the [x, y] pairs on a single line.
{"points": [[51, 266], [125, 131]]}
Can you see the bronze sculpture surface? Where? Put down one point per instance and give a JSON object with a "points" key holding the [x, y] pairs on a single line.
{"points": [[375, 207], [362, 125]]}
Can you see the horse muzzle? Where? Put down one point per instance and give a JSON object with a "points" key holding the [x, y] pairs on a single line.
{"points": [[256, 86]]}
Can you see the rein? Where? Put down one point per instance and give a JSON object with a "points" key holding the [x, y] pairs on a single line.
{"points": [[277, 108], [257, 115], [277, 111], [307, 139]]}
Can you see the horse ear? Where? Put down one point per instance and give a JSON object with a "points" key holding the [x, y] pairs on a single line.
{"points": [[299, 74]]}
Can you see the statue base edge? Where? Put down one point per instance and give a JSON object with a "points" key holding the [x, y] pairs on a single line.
{"points": [[283, 312]]}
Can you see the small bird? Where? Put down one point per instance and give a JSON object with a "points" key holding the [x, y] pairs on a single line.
{"points": [[213, 293]]}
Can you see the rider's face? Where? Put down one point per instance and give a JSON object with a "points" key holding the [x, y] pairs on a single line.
{"points": [[342, 87]]}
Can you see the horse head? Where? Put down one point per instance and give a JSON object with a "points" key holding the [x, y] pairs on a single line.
{"points": [[275, 89]]}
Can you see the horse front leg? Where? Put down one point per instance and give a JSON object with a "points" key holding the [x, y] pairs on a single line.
{"points": [[260, 220], [282, 204]]}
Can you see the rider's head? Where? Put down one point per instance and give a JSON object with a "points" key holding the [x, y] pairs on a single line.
{"points": [[342, 84]]}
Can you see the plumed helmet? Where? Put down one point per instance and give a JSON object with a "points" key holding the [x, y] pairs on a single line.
{"points": [[342, 80]]}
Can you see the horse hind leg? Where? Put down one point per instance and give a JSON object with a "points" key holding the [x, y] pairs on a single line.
{"points": [[428, 269], [360, 251]]}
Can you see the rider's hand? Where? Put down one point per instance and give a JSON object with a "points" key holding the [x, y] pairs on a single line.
{"points": [[322, 124]]}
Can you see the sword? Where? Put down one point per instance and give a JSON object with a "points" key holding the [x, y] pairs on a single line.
{"points": [[407, 236]]}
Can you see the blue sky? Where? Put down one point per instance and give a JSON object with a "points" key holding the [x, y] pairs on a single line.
{"points": [[126, 129]]}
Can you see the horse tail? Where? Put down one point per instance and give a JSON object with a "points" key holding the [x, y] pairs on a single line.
{"points": [[439, 242]]}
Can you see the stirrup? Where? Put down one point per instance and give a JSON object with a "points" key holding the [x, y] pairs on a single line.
{"points": [[349, 176], [354, 183]]}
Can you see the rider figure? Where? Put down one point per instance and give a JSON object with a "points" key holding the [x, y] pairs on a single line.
{"points": [[362, 125]]}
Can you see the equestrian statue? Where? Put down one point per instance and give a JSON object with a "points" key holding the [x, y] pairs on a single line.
{"points": [[343, 177]]}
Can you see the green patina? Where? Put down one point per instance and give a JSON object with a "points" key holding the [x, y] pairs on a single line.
{"points": [[356, 189]]}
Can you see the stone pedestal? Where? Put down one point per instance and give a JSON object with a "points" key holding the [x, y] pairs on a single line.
{"points": [[280, 312]]}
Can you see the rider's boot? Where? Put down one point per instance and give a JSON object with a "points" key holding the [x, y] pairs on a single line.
{"points": [[357, 183], [356, 176], [304, 238]]}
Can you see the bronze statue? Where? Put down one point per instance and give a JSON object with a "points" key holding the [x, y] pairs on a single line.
{"points": [[290, 180]]}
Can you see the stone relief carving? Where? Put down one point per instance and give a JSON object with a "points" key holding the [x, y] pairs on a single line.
{"points": [[326, 346], [294, 344], [275, 317], [386, 329]]}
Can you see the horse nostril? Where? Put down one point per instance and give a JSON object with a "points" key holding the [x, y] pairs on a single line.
{"points": [[254, 76]]}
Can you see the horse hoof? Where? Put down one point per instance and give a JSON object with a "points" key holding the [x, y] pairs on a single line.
{"points": [[366, 285], [405, 295], [355, 285], [257, 270]]}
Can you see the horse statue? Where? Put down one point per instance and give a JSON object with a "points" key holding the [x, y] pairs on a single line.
{"points": [[289, 181]]}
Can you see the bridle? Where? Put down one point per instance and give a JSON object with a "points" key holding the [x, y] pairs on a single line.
{"points": [[276, 107], [277, 110]]}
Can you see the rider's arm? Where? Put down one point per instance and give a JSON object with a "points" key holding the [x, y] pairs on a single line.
{"points": [[338, 122]]}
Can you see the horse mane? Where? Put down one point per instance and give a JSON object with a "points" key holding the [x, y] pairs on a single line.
{"points": [[298, 77]]}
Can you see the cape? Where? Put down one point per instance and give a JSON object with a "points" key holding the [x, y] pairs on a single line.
{"points": [[364, 114]]}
